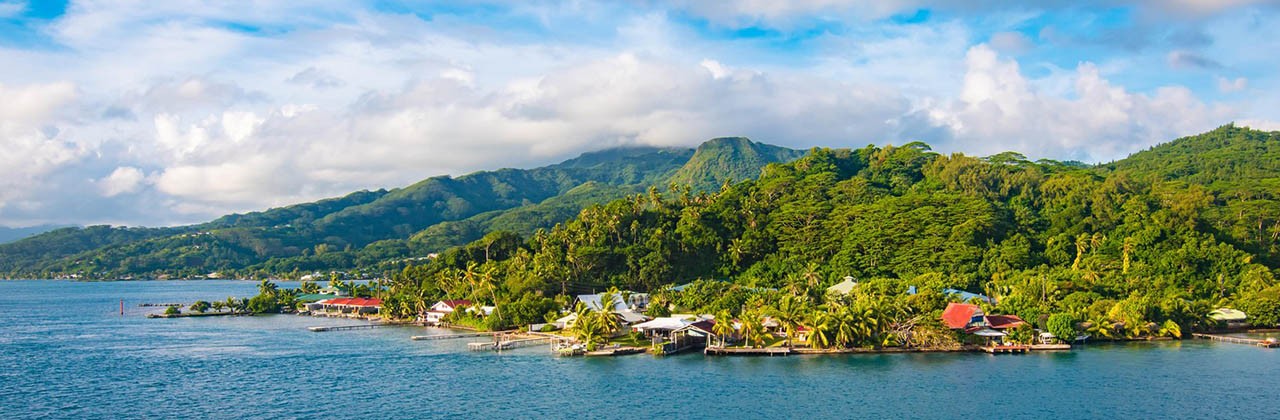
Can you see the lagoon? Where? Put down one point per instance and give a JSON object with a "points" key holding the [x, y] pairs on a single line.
{"points": [[68, 353]]}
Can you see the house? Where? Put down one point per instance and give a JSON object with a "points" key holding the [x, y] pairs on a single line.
{"points": [[843, 288], [438, 311], [666, 325], [970, 318], [1231, 318]]}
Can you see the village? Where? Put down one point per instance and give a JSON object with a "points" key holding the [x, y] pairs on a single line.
{"points": [[615, 323]]}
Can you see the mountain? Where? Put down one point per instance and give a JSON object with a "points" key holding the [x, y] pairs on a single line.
{"points": [[8, 234], [729, 159], [367, 228]]}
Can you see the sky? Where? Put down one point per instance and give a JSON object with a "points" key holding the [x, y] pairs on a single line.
{"points": [[153, 113]]}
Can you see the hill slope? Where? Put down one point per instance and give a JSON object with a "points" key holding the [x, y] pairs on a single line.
{"points": [[367, 227]]}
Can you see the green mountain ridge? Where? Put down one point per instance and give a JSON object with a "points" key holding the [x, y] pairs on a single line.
{"points": [[363, 228]]}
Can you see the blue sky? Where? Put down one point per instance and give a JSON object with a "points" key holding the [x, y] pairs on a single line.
{"points": [[155, 113]]}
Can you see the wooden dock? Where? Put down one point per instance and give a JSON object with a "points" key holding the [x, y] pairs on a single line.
{"points": [[743, 351], [1014, 349], [452, 336], [1267, 343], [615, 351], [508, 344], [354, 327]]}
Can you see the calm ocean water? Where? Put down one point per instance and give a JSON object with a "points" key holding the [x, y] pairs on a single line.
{"points": [[65, 352]]}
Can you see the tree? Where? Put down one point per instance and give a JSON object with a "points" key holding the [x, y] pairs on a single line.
{"points": [[723, 327], [199, 306], [1063, 326], [790, 312]]}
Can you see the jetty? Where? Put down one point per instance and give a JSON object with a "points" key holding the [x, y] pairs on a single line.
{"points": [[500, 344], [192, 314], [452, 336], [355, 327], [1267, 343], [746, 351], [1007, 349], [615, 351]]}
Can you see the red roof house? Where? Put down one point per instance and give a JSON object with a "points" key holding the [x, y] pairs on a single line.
{"points": [[961, 315], [970, 317]]}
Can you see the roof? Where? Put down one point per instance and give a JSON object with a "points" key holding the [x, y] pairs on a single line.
{"points": [[593, 302], [958, 315], [312, 297], [845, 287], [1001, 322], [967, 296], [1228, 314], [455, 303], [664, 323], [705, 327], [364, 302]]}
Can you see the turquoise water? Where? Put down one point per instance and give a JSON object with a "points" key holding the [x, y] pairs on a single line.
{"points": [[67, 353]]}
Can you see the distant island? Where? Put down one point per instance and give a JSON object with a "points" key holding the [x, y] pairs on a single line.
{"points": [[1177, 238]]}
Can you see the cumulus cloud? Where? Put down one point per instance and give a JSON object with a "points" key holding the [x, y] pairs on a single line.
{"points": [[32, 147], [999, 109], [123, 180]]}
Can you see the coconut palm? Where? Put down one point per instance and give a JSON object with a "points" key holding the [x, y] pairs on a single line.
{"points": [[789, 313], [607, 315], [267, 288], [723, 327], [821, 325]]}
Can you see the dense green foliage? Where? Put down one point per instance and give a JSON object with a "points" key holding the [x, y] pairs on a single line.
{"points": [[1127, 250]]}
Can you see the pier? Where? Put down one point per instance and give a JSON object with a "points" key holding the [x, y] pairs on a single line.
{"points": [[1267, 343], [1011, 349], [354, 327], [500, 344], [452, 336], [744, 351]]}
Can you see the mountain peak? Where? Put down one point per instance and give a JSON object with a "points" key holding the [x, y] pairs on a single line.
{"points": [[729, 159]]}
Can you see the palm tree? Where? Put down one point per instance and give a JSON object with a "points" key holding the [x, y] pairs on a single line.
{"points": [[267, 288], [790, 312], [751, 328], [607, 315], [723, 327], [1082, 243], [821, 325]]}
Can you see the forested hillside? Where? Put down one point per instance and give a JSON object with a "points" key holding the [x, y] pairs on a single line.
{"points": [[1162, 237], [369, 229]]}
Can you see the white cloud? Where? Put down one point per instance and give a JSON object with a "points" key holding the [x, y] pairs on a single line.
{"points": [[123, 180], [1226, 85], [1001, 110]]}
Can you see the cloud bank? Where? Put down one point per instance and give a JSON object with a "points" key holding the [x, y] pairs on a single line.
{"points": [[176, 112]]}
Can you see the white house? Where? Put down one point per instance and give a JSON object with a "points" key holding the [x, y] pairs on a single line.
{"points": [[442, 308]]}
